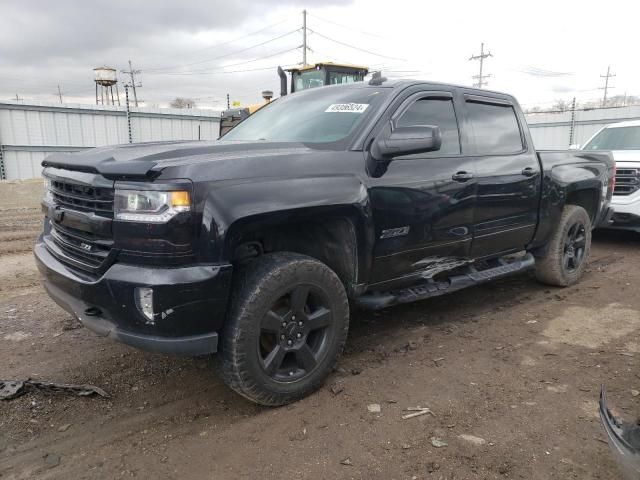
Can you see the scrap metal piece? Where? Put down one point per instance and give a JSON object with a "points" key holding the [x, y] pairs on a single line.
{"points": [[10, 389], [623, 439]]}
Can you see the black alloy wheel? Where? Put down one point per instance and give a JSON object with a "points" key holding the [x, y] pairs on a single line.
{"points": [[295, 334]]}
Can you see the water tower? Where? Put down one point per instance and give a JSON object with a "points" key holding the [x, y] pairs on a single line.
{"points": [[105, 78]]}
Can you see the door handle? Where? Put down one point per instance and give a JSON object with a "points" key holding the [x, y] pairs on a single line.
{"points": [[462, 176], [529, 172]]}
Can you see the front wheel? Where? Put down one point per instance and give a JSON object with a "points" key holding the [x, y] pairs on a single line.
{"points": [[568, 249], [288, 325]]}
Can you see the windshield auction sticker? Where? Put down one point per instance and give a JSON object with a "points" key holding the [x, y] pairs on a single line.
{"points": [[347, 108]]}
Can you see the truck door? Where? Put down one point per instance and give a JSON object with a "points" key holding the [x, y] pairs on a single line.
{"points": [[507, 175], [423, 204]]}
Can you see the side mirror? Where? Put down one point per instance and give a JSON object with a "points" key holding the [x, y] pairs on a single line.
{"points": [[406, 141]]}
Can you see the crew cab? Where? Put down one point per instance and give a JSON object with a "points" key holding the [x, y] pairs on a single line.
{"points": [[257, 245], [623, 139]]}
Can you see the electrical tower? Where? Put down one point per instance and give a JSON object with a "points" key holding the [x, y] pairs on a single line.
{"points": [[59, 94], [132, 74], [481, 82], [606, 85]]}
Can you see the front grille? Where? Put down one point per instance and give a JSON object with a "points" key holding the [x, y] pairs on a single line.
{"points": [[83, 198], [627, 181], [83, 242], [86, 248]]}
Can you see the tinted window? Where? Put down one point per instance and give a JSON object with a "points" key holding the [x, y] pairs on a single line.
{"points": [[438, 112], [317, 115], [494, 128]]}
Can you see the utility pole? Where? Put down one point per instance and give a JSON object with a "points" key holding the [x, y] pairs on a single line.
{"points": [[304, 37], [480, 77], [606, 85], [59, 94], [18, 99], [132, 73], [573, 122], [126, 98]]}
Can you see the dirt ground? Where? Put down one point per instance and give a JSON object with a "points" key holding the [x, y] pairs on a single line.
{"points": [[510, 370]]}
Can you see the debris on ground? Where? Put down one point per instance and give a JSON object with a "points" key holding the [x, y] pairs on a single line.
{"points": [[346, 461], [438, 443], [374, 408], [10, 389], [478, 441], [64, 428], [51, 460], [336, 388], [635, 393], [417, 411]]}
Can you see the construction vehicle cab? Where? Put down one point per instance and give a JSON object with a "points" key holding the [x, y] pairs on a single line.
{"points": [[325, 73], [233, 116]]}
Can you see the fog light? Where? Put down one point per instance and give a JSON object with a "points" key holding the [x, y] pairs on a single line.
{"points": [[144, 302]]}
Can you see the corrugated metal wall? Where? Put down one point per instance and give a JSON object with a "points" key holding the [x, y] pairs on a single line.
{"points": [[29, 132], [552, 130]]}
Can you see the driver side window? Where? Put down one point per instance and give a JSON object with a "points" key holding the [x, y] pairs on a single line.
{"points": [[438, 112]]}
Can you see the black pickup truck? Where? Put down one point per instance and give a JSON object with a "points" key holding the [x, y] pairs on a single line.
{"points": [[257, 245]]}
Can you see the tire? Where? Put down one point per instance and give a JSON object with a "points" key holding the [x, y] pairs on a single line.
{"points": [[287, 326], [568, 249]]}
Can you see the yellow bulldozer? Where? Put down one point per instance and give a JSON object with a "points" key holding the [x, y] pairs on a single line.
{"points": [[303, 77]]}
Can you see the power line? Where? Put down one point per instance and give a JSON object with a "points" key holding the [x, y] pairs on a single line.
{"points": [[356, 48], [481, 78], [606, 85], [217, 45], [225, 55], [350, 28], [222, 69]]}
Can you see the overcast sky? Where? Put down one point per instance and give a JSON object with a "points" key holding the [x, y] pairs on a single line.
{"points": [[203, 49]]}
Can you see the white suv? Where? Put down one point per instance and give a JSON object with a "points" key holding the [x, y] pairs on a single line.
{"points": [[623, 139]]}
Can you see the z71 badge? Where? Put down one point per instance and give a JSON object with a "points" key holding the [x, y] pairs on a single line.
{"points": [[394, 232]]}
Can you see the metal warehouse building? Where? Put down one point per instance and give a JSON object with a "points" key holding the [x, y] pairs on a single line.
{"points": [[31, 131], [553, 130]]}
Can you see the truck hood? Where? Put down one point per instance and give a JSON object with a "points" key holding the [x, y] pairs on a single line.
{"points": [[149, 159], [626, 155]]}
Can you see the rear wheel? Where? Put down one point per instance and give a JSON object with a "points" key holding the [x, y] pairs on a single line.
{"points": [[288, 324], [568, 249]]}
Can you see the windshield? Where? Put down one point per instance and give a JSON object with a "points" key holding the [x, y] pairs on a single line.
{"points": [[308, 79], [617, 138], [324, 116]]}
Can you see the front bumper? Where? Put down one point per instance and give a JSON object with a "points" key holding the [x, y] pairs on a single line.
{"points": [[626, 212], [189, 303]]}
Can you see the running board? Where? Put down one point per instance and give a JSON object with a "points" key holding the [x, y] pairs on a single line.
{"points": [[378, 300]]}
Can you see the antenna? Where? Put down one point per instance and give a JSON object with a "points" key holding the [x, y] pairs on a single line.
{"points": [[480, 77]]}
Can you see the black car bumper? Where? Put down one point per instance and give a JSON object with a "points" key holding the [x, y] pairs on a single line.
{"points": [[188, 303]]}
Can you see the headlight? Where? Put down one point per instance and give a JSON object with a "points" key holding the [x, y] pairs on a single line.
{"points": [[150, 206]]}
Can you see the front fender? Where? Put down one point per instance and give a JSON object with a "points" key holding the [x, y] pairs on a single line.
{"points": [[231, 206]]}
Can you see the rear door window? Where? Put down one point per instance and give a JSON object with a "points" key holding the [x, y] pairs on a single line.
{"points": [[494, 128]]}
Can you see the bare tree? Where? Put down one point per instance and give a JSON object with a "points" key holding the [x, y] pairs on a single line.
{"points": [[181, 102], [561, 106]]}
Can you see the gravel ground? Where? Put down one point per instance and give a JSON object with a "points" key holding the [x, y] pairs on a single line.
{"points": [[510, 370]]}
